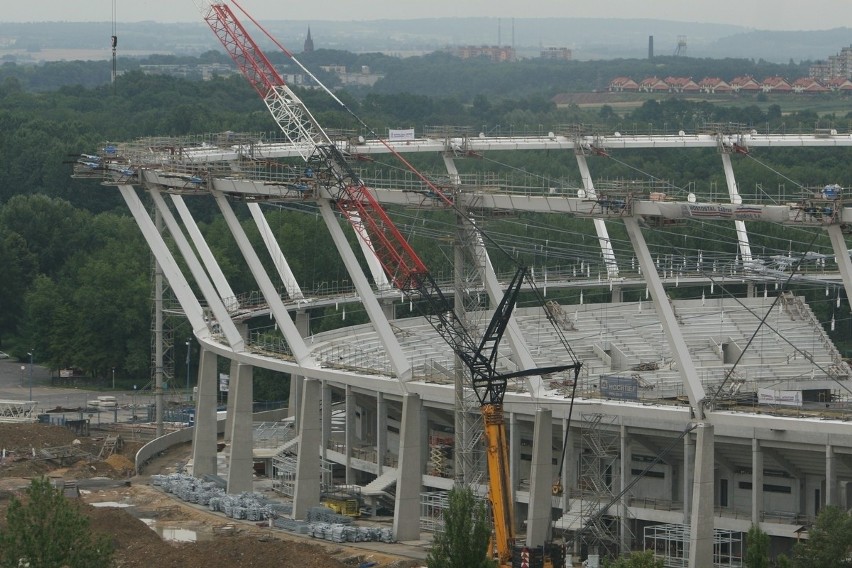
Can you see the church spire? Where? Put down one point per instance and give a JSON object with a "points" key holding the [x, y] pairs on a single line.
{"points": [[309, 43]]}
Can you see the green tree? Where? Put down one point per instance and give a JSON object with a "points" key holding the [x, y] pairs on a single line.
{"points": [[644, 559], [757, 553], [464, 541], [44, 530], [828, 543]]}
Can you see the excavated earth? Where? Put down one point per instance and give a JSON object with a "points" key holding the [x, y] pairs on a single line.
{"points": [[220, 542]]}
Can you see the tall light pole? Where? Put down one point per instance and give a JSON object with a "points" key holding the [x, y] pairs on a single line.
{"points": [[188, 351], [30, 353], [113, 378]]}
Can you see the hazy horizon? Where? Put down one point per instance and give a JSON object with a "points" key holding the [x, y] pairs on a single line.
{"points": [[792, 15]]}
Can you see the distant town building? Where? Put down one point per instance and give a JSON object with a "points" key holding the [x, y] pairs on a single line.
{"points": [[557, 53], [309, 43], [837, 66], [363, 77], [495, 53]]}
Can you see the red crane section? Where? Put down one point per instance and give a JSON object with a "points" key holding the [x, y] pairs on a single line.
{"points": [[352, 197], [246, 54]]}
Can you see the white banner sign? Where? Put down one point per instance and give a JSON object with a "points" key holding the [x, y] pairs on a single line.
{"points": [[779, 397], [224, 382], [397, 135]]}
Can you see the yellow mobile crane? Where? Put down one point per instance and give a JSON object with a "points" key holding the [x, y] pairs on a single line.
{"points": [[335, 177]]}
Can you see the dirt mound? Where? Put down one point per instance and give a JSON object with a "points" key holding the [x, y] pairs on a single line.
{"points": [[137, 546], [25, 437]]}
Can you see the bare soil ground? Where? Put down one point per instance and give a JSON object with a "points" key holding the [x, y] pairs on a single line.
{"points": [[228, 543]]}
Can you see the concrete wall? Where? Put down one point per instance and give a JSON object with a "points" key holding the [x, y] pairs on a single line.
{"points": [[163, 443]]}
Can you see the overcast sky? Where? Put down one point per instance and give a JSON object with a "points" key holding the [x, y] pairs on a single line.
{"points": [[759, 14]]}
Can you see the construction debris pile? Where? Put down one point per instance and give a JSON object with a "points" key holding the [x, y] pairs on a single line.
{"points": [[321, 522], [248, 506]]}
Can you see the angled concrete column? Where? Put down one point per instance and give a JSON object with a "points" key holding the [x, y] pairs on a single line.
{"points": [[294, 404], [349, 434], [541, 480], [241, 466], [381, 431], [406, 518], [756, 481], [204, 436], [701, 523], [229, 415], [307, 493], [830, 477], [326, 418]]}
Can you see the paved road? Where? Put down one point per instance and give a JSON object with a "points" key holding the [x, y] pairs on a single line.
{"points": [[15, 385]]}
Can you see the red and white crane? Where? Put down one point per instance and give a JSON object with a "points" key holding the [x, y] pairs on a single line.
{"points": [[400, 262]]}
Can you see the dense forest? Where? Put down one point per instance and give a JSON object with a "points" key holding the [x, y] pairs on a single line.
{"points": [[77, 273]]}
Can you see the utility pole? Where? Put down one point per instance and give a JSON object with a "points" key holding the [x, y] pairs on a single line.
{"points": [[30, 353]]}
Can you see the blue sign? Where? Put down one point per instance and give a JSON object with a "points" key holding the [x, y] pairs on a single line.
{"points": [[625, 388]]}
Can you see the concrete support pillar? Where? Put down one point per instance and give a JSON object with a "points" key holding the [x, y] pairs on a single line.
{"points": [[388, 309], [831, 491], [688, 475], [514, 454], [381, 431], [626, 476], [294, 404], [701, 522], [756, 481], [569, 468], [424, 446], [204, 436], [326, 418], [229, 416], [349, 434], [307, 493], [617, 295], [241, 466], [303, 323], [541, 480], [406, 519]]}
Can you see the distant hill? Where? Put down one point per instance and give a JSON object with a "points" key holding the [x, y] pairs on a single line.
{"points": [[589, 38]]}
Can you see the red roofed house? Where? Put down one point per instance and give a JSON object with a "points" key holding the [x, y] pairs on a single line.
{"points": [[775, 84], [746, 83], [713, 85], [620, 84], [839, 84], [653, 85], [682, 84], [808, 85]]}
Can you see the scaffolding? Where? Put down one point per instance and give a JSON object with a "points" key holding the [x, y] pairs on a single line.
{"points": [[284, 475], [432, 507], [599, 483], [670, 543], [17, 411]]}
